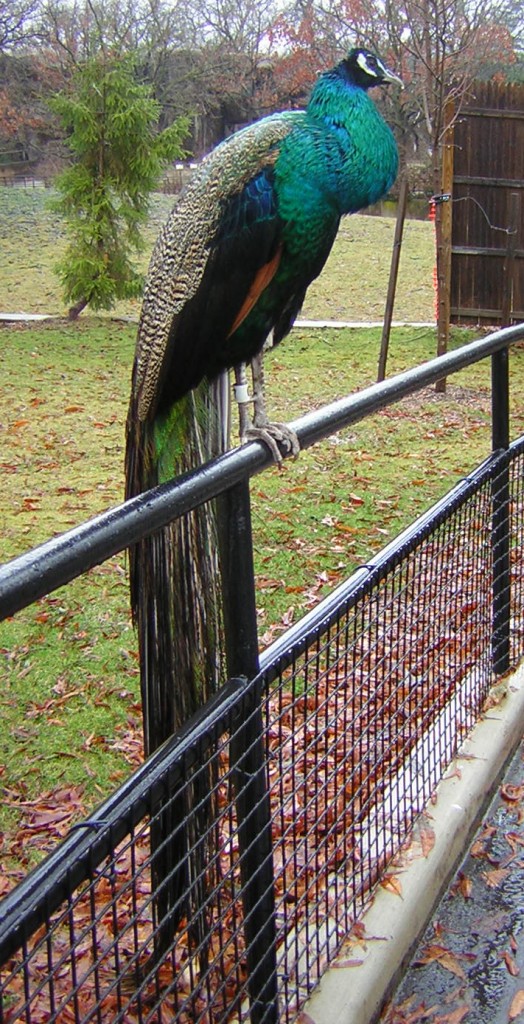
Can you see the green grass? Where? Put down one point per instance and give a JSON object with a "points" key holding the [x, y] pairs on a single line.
{"points": [[353, 285], [343, 499], [70, 679], [70, 690]]}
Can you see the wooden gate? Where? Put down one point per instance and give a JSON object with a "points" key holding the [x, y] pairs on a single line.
{"points": [[487, 256]]}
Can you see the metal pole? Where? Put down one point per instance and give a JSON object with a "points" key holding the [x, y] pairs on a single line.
{"points": [[248, 755], [500, 534]]}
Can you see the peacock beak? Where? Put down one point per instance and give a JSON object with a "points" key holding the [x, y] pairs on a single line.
{"points": [[390, 78]]}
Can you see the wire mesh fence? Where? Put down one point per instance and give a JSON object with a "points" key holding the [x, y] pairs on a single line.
{"points": [[365, 719], [516, 560], [356, 712]]}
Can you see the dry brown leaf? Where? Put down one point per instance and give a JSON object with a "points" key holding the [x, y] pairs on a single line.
{"points": [[511, 964], [392, 884], [450, 963], [512, 794], [427, 840], [517, 1005], [478, 849], [456, 1016], [444, 957], [495, 877], [465, 887], [430, 953]]}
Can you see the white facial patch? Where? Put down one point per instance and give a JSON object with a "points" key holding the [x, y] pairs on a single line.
{"points": [[362, 62]]}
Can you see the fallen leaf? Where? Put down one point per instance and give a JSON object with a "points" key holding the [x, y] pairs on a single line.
{"points": [[455, 1017], [358, 931], [478, 849], [439, 954], [495, 877], [514, 840], [512, 794], [517, 1005], [392, 884], [511, 964], [465, 887], [347, 963], [427, 840], [450, 963]]}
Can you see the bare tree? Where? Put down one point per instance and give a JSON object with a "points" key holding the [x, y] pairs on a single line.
{"points": [[439, 46], [16, 22], [200, 58], [239, 25], [81, 29], [233, 38]]}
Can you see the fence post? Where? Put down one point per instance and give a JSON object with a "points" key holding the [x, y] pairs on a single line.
{"points": [[248, 755], [393, 275], [443, 230], [500, 534], [509, 272]]}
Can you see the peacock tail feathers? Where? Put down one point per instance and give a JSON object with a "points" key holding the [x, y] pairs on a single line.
{"points": [[175, 574], [177, 608]]}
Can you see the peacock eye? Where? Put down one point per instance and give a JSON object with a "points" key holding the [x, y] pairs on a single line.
{"points": [[368, 64]]}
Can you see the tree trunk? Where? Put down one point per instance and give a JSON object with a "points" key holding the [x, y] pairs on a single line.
{"points": [[74, 311]]}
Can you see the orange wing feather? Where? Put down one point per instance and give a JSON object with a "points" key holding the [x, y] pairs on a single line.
{"points": [[261, 281]]}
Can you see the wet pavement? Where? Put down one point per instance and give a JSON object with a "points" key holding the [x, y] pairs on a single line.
{"points": [[469, 965]]}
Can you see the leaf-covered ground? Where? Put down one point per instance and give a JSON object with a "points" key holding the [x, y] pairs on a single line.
{"points": [[69, 696], [69, 700]]}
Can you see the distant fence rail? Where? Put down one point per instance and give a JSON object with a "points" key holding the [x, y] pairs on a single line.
{"points": [[320, 761]]}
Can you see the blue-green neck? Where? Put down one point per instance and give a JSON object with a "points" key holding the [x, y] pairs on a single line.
{"points": [[366, 143], [333, 90]]}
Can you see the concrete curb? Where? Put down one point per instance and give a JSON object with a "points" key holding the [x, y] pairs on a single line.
{"points": [[300, 324], [356, 994]]}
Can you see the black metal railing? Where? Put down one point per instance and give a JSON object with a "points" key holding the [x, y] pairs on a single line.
{"points": [[323, 749]]}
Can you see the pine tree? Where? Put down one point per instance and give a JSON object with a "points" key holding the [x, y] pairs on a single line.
{"points": [[111, 123]]}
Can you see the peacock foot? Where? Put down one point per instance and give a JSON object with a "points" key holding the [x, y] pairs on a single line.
{"points": [[279, 438]]}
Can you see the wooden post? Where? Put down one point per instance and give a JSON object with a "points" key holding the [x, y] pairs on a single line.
{"points": [[509, 260], [393, 274], [443, 229]]}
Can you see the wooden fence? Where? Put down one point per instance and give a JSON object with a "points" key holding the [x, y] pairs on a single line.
{"points": [[487, 261]]}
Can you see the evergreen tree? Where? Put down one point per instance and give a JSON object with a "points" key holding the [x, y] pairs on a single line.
{"points": [[110, 119]]}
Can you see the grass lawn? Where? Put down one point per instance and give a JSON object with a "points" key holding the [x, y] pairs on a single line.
{"points": [[69, 696], [352, 286]]}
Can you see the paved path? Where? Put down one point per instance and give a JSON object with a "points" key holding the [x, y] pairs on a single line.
{"points": [[469, 965]]}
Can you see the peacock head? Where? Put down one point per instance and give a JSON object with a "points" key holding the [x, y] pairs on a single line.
{"points": [[365, 69]]}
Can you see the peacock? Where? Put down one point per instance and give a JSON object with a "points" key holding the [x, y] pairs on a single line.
{"points": [[232, 264]]}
